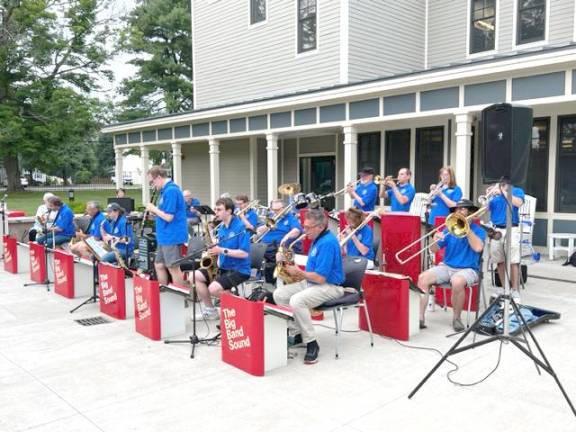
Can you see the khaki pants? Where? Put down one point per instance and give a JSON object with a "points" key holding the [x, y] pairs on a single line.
{"points": [[302, 297]]}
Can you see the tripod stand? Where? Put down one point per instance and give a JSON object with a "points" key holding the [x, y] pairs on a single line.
{"points": [[95, 297], [505, 337], [5, 230]]}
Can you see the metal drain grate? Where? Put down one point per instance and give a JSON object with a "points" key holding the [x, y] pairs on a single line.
{"points": [[92, 321]]}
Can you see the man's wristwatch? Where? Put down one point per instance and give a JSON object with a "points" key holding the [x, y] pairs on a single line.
{"points": [[225, 251]]}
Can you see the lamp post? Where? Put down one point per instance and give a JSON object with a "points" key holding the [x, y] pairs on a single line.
{"points": [[71, 195]]}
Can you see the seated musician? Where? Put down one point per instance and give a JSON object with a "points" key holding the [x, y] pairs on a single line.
{"points": [[233, 253], [192, 215], [400, 194], [44, 217], [286, 230], [63, 228], [365, 194], [321, 281], [96, 219], [360, 244], [460, 266], [116, 231], [443, 195], [248, 217]]}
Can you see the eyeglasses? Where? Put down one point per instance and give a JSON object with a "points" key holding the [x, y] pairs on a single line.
{"points": [[307, 227]]}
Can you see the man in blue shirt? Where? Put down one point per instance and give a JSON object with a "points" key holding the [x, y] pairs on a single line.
{"points": [[96, 218], [248, 217], [361, 243], [287, 229], [171, 228], [460, 266], [118, 232], [321, 281], [192, 216], [366, 193], [497, 207], [400, 194], [63, 228], [233, 253]]}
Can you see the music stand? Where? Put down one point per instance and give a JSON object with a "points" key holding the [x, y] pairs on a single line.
{"points": [[508, 301], [98, 252]]}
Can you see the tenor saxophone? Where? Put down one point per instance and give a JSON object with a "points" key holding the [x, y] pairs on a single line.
{"points": [[287, 259], [207, 261]]}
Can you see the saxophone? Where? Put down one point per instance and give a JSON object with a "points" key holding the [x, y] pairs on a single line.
{"points": [[287, 259], [119, 259], [208, 262]]}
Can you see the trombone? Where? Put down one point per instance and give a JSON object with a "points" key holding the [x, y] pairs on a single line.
{"points": [[366, 221], [456, 224], [378, 180]]}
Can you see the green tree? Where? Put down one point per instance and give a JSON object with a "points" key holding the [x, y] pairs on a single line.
{"points": [[52, 54], [158, 35]]}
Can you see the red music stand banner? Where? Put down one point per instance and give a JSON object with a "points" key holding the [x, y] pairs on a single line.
{"points": [[63, 273], [10, 254], [242, 326], [147, 307], [398, 230], [37, 263], [111, 290]]}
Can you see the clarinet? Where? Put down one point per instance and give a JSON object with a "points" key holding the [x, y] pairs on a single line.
{"points": [[145, 215]]}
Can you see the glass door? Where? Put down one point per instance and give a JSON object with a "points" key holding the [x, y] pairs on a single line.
{"points": [[318, 175]]}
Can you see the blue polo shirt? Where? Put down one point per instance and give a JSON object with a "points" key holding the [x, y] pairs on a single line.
{"points": [[65, 221], [439, 207], [406, 190], [498, 205], [120, 228], [365, 237], [458, 252], [252, 217], [369, 194], [241, 241], [283, 227], [171, 201], [190, 213], [95, 224], [325, 259]]}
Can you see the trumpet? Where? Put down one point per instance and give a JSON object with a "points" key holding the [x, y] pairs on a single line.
{"points": [[433, 193], [378, 180]]}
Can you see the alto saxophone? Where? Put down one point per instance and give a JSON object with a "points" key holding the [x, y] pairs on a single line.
{"points": [[118, 254], [287, 259], [207, 261]]}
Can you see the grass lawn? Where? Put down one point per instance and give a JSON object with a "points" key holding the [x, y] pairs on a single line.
{"points": [[29, 201]]}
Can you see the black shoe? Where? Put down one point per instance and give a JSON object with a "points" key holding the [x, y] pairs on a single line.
{"points": [[295, 340], [423, 325], [312, 350]]}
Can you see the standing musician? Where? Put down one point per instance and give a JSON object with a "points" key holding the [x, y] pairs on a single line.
{"points": [[63, 228], [44, 216], [287, 228], [444, 195], [116, 230], [233, 252], [497, 207], [250, 217], [96, 219], [366, 193], [171, 229], [121, 193], [321, 281], [400, 194], [460, 266], [360, 244]]}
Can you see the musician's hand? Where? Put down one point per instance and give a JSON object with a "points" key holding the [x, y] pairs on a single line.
{"points": [[261, 229], [279, 257], [432, 187], [439, 236], [215, 250], [293, 269], [151, 207]]}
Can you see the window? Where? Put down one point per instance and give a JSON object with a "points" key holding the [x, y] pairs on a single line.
{"points": [[429, 156], [482, 25], [306, 25], [257, 11], [369, 151], [531, 21], [537, 185], [397, 151], [566, 165]]}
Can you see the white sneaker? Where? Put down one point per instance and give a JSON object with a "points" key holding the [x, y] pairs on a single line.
{"points": [[515, 295], [208, 314]]}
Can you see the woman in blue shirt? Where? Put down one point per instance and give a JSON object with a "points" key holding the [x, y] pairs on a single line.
{"points": [[360, 244], [115, 230], [444, 195]]}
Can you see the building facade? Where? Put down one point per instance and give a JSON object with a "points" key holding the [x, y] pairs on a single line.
{"points": [[308, 91]]}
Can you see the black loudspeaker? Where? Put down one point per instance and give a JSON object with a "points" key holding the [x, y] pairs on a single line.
{"points": [[506, 138]]}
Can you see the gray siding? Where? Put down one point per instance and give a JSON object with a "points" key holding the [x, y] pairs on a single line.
{"points": [[561, 21], [446, 32], [235, 61], [196, 170], [386, 38], [235, 166]]}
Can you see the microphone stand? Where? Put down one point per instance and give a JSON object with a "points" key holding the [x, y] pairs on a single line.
{"points": [[5, 229], [193, 297], [47, 281]]}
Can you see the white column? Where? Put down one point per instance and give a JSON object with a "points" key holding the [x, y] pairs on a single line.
{"points": [[214, 150], [119, 169], [463, 152], [177, 163], [145, 162], [350, 159], [272, 165], [253, 167]]}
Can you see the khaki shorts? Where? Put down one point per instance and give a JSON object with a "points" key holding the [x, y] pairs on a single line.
{"points": [[445, 273], [497, 251], [168, 255]]}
